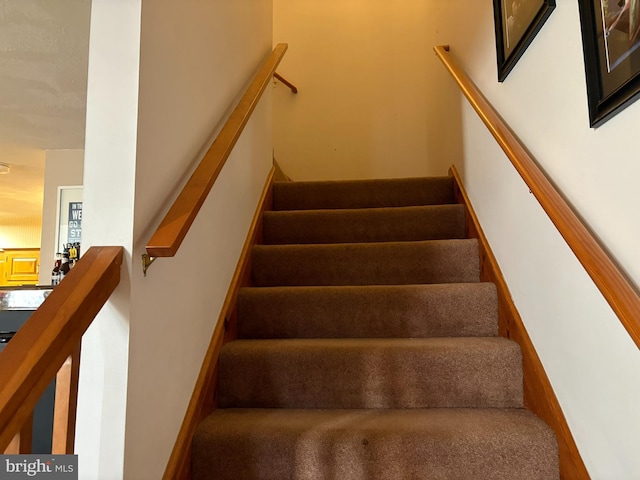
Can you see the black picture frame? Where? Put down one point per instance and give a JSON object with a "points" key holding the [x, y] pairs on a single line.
{"points": [[517, 22], [611, 47]]}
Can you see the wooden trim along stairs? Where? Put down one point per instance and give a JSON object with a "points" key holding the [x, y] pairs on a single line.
{"points": [[538, 393], [204, 393], [539, 396]]}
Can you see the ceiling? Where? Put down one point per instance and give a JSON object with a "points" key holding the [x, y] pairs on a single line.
{"points": [[43, 82]]}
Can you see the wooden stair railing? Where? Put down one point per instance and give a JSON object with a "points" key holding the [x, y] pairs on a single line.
{"points": [[169, 235], [603, 270], [46, 341]]}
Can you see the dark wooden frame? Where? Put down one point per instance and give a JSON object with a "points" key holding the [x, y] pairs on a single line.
{"points": [[612, 74], [508, 57]]}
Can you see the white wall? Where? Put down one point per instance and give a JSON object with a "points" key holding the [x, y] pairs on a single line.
{"points": [[20, 232], [108, 202], [591, 361], [162, 75], [61, 168], [367, 104], [21, 196]]}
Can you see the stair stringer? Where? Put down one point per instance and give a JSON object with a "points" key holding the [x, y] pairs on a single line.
{"points": [[539, 396]]}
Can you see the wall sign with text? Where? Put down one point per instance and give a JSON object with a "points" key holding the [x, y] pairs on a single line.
{"points": [[69, 215], [74, 231]]}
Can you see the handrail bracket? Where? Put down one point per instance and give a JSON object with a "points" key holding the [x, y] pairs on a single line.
{"points": [[147, 260], [286, 82]]}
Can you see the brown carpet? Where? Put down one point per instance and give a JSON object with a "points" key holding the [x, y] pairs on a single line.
{"points": [[440, 310], [430, 444], [383, 263], [368, 348], [363, 193], [399, 224]]}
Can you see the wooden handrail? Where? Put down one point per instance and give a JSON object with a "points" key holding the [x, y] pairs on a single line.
{"points": [[167, 238], [608, 277], [37, 351], [293, 88]]}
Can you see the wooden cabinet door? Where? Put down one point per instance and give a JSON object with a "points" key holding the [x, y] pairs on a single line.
{"points": [[21, 267]]}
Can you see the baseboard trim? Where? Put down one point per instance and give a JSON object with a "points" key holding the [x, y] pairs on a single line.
{"points": [[539, 396], [202, 401]]}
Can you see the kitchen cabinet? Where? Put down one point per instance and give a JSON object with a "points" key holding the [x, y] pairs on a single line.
{"points": [[19, 266]]}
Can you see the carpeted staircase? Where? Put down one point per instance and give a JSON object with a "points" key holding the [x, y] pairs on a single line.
{"points": [[368, 348]]}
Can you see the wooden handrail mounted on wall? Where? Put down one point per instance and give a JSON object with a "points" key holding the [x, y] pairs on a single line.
{"points": [[167, 238], [32, 358], [607, 276]]}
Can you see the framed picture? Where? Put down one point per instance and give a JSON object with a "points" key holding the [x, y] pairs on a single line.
{"points": [[69, 217], [611, 45], [517, 22]]}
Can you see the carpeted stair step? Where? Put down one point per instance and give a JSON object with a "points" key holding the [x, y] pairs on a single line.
{"points": [[387, 263], [400, 192], [439, 310], [364, 225], [435, 444], [371, 373]]}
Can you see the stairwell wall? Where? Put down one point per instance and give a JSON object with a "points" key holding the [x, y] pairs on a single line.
{"points": [[367, 105], [162, 75], [591, 361]]}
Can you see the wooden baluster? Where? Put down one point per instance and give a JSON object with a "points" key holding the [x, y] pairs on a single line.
{"points": [[21, 443], [64, 415]]}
